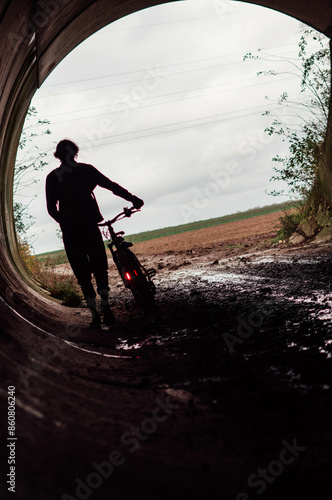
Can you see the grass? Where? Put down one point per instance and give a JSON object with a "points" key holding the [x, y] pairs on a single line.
{"points": [[61, 287], [192, 226], [59, 256]]}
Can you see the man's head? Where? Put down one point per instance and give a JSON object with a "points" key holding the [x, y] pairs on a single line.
{"points": [[66, 151]]}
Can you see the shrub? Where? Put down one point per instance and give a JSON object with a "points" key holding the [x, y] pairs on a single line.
{"points": [[289, 223], [60, 286]]}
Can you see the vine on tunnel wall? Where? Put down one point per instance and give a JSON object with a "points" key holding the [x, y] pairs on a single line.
{"points": [[29, 162], [303, 124]]}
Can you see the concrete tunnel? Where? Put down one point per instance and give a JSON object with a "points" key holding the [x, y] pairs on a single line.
{"points": [[35, 35]]}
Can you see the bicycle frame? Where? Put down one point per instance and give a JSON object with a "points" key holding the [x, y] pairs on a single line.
{"points": [[133, 274]]}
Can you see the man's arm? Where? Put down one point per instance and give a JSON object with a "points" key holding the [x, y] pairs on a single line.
{"points": [[51, 200], [118, 190]]}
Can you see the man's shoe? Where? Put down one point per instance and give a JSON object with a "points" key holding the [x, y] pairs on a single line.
{"points": [[96, 322]]}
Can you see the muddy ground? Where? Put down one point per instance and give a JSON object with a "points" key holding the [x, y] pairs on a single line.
{"points": [[239, 367]]}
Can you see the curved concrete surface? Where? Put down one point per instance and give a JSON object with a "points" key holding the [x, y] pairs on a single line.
{"points": [[35, 35]]}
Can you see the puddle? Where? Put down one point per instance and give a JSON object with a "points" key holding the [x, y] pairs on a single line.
{"points": [[316, 299], [170, 338], [323, 349], [300, 347], [284, 260], [125, 346], [188, 275]]}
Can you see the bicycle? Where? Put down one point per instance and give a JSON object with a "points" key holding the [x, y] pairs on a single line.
{"points": [[133, 274]]}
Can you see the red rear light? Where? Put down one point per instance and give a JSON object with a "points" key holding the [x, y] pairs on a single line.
{"points": [[128, 277]]}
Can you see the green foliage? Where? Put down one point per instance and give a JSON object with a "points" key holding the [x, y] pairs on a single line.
{"points": [[299, 169], [22, 219], [289, 223], [62, 289], [302, 122], [28, 259], [30, 160], [60, 286]]}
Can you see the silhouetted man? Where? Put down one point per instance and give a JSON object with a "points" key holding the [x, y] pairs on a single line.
{"points": [[71, 202]]}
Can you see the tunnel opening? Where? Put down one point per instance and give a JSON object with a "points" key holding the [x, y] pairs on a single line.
{"points": [[103, 124], [238, 379]]}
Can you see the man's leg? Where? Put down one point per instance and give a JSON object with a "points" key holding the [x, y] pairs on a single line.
{"points": [[98, 261], [80, 264]]}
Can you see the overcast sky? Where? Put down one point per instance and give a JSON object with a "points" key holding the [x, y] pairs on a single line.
{"points": [[162, 103]]}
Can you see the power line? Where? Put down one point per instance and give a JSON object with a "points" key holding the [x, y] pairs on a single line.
{"points": [[134, 81], [154, 97], [140, 70], [159, 67], [173, 100], [168, 22], [176, 130], [192, 125]]}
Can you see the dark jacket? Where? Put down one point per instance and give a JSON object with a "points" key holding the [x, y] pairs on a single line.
{"points": [[69, 192]]}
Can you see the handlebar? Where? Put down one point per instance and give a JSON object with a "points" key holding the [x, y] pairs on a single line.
{"points": [[127, 212]]}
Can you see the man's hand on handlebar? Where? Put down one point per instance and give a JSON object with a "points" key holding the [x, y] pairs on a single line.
{"points": [[137, 202], [128, 211]]}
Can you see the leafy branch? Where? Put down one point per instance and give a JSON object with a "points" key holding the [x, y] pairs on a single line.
{"points": [[301, 122]]}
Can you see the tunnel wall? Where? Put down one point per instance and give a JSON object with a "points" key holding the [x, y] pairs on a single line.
{"points": [[35, 35]]}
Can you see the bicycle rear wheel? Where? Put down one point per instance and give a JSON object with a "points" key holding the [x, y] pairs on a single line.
{"points": [[145, 299], [141, 286]]}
